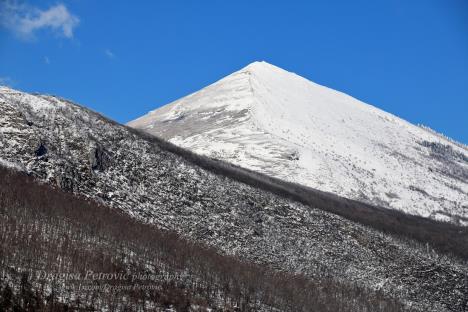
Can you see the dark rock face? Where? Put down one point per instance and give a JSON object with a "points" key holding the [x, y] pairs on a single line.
{"points": [[98, 159], [41, 150], [145, 180]]}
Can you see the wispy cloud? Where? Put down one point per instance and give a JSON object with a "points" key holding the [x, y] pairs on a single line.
{"points": [[46, 60], [24, 20], [109, 54]]}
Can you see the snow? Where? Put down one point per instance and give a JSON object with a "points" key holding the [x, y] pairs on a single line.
{"points": [[262, 116], [12, 165], [38, 104], [158, 186]]}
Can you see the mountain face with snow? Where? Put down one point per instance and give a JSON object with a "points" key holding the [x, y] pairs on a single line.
{"points": [[278, 123], [82, 152]]}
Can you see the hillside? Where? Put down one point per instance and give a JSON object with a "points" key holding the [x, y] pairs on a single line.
{"points": [[237, 212], [153, 270], [275, 122]]}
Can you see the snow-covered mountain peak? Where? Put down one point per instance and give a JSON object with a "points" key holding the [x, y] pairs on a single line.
{"points": [[262, 67], [279, 123]]}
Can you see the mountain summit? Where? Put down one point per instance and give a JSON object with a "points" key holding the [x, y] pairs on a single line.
{"points": [[273, 121]]}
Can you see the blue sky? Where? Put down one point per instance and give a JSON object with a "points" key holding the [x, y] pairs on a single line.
{"points": [[124, 58]]}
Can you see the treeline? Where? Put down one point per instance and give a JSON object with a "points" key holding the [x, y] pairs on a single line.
{"points": [[444, 237], [43, 229]]}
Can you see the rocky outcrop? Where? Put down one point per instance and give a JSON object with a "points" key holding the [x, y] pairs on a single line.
{"points": [[41, 150], [98, 158]]}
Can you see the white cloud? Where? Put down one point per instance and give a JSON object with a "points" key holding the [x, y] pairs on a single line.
{"points": [[24, 20], [109, 54]]}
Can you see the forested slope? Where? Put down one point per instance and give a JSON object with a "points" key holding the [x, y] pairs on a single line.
{"points": [[52, 241]]}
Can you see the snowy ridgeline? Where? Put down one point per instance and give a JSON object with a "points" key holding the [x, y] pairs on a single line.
{"points": [[276, 122], [82, 152]]}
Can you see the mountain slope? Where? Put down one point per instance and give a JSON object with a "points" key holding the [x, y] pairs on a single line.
{"points": [[275, 122], [82, 152], [184, 276]]}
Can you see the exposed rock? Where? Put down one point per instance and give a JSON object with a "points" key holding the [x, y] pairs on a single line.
{"points": [[98, 158], [41, 150]]}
